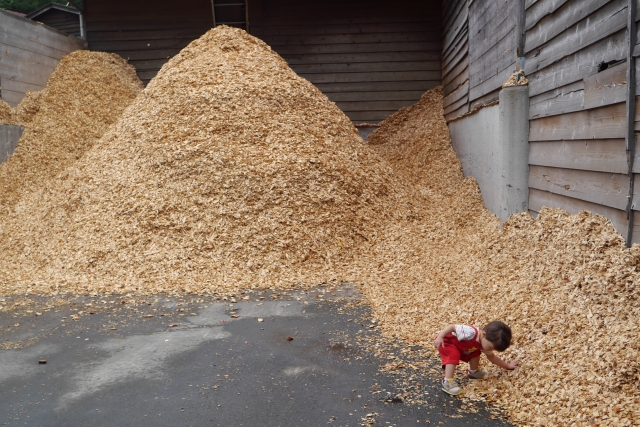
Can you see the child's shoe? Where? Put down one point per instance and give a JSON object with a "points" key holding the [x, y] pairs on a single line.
{"points": [[451, 387], [477, 375]]}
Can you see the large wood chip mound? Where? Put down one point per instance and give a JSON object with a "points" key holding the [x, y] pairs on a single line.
{"points": [[229, 170], [86, 93], [566, 284]]}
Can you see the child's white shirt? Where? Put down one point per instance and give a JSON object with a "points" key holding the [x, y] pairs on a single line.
{"points": [[466, 333]]}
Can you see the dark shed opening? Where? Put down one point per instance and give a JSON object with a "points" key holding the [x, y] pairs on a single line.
{"points": [[63, 18], [370, 57]]}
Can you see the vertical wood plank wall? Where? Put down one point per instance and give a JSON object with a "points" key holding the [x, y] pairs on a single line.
{"points": [[29, 52], [146, 33], [578, 159], [370, 58]]}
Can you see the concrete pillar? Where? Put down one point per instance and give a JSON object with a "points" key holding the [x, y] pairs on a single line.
{"points": [[513, 143], [9, 136], [475, 140]]}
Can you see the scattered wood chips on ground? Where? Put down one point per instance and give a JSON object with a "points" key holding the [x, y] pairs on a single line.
{"points": [[229, 171], [566, 284], [86, 93]]}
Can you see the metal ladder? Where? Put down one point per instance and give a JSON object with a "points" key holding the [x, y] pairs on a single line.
{"points": [[233, 13]]}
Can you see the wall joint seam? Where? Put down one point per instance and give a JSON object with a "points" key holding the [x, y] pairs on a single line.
{"points": [[630, 138]]}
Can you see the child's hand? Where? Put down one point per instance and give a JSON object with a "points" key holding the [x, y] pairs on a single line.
{"points": [[513, 365], [438, 342]]}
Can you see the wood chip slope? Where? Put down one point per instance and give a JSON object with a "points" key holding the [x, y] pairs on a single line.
{"points": [[228, 171], [84, 95], [566, 284], [5, 113]]}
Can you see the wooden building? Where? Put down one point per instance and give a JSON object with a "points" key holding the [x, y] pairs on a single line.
{"points": [[370, 57], [63, 18], [580, 59], [29, 52]]}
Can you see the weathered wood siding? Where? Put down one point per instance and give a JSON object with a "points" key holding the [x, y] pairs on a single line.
{"points": [[60, 20], [578, 155], [29, 52], [455, 57], [146, 33], [492, 48], [479, 51], [371, 58]]}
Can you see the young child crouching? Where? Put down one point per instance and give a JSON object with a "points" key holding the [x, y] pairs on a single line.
{"points": [[466, 343]]}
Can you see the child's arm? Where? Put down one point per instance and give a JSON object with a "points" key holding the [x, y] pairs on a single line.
{"points": [[443, 333], [504, 365]]}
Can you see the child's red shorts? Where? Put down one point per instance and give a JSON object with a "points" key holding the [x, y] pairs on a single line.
{"points": [[452, 354]]}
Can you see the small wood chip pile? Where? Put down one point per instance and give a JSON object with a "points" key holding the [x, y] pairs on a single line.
{"points": [[566, 284], [516, 79], [85, 94]]}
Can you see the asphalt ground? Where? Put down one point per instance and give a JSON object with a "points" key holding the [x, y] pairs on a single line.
{"points": [[307, 358]]}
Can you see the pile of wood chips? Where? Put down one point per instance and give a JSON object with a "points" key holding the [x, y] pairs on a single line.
{"points": [[566, 284], [229, 171], [5, 113], [516, 79], [86, 93]]}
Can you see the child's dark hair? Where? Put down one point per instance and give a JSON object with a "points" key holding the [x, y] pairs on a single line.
{"points": [[498, 334]]}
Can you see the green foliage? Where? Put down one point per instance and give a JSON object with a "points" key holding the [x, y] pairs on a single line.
{"points": [[28, 6]]}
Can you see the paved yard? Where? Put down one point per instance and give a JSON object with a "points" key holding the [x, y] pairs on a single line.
{"points": [[271, 360]]}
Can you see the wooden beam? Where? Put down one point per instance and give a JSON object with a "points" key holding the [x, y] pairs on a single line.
{"points": [[246, 15], [636, 160], [392, 76], [635, 202], [631, 110]]}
